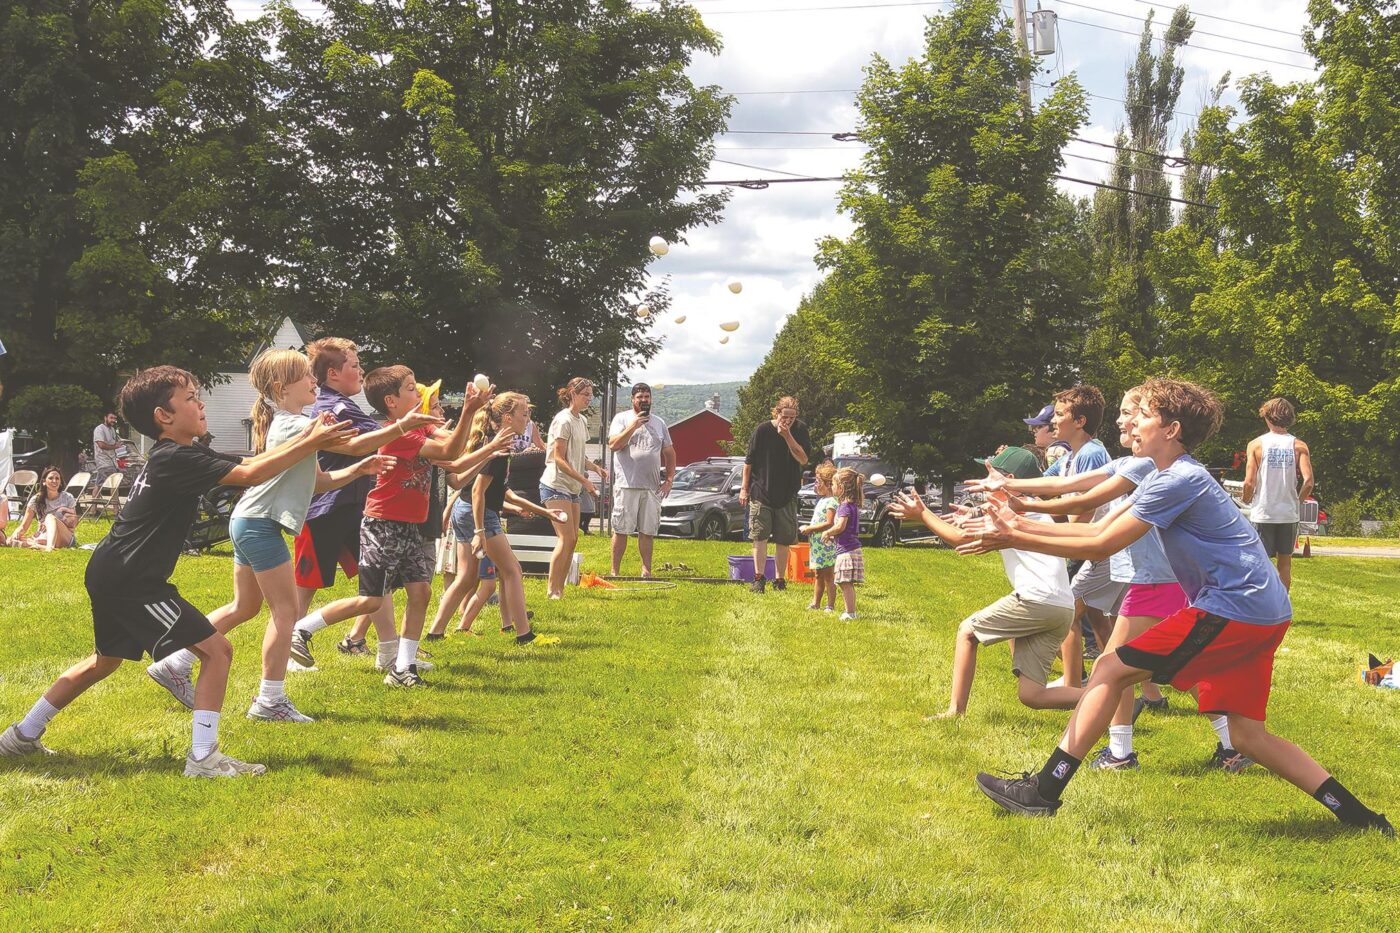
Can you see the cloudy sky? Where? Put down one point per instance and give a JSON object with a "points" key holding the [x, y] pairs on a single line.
{"points": [[767, 238]]}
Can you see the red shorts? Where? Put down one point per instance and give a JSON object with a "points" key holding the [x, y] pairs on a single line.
{"points": [[325, 542], [1232, 663]]}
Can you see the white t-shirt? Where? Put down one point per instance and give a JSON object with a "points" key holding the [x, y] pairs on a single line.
{"points": [[1038, 578], [639, 463], [1276, 496], [574, 429], [105, 459]]}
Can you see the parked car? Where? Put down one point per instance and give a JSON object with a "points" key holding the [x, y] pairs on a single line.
{"points": [[1314, 520], [704, 501], [876, 524], [30, 452]]}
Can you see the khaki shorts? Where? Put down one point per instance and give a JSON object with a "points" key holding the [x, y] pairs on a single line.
{"points": [[1037, 627], [636, 512], [773, 523]]}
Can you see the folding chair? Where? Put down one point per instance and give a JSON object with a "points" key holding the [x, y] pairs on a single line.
{"points": [[24, 482], [106, 496], [78, 485]]}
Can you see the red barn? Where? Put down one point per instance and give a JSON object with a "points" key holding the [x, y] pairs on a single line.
{"points": [[700, 435]]}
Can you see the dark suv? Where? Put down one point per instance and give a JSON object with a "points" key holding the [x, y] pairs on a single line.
{"points": [[876, 524], [704, 500]]}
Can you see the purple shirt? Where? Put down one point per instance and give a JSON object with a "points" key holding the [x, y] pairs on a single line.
{"points": [[353, 493], [849, 538]]}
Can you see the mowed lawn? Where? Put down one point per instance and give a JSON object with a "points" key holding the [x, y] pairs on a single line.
{"points": [[700, 758]]}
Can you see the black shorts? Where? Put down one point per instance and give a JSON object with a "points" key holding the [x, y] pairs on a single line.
{"points": [[154, 624], [324, 542], [1277, 537]]}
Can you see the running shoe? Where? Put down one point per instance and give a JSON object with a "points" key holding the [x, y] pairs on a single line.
{"points": [[1105, 760], [278, 710], [389, 664], [218, 765], [301, 648], [1019, 795], [758, 585], [848, 617], [177, 682], [12, 744], [348, 645], [408, 678], [1229, 760], [1142, 703], [1379, 823], [780, 585]]}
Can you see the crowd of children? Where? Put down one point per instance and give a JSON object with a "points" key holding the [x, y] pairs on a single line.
{"points": [[1164, 553]]}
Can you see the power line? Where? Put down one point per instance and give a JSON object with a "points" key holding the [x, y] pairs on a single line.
{"points": [[1089, 158], [1223, 19], [758, 184], [1176, 161], [1197, 48], [819, 9], [1194, 32], [760, 168]]}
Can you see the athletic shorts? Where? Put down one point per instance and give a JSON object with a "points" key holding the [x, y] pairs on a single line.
{"points": [[1154, 600], [850, 567], [1094, 584], [1231, 662], [324, 542], [636, 512], [1277, 537], [257, 543], [1037, 629], [158, 625], [776, 523], [549, 493], [391, 555], [429, 546]]}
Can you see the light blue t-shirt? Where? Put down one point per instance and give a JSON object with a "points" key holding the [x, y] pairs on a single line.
{"points": [[287, 496], [1089, 457], [1213, 549], [1143, 561]]}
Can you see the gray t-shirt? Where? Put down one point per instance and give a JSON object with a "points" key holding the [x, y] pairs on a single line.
{"points": [[105, 459], [286, 497], [639, 463], [574, 429]]}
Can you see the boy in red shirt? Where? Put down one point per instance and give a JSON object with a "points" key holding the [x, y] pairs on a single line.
{"points": [[390, 546]]}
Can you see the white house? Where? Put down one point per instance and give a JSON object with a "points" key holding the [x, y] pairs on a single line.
{"points": [[227, 405]]}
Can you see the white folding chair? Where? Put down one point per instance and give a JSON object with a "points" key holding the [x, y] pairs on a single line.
{"points": [[104, 498], [24, 482], [78, 485]]}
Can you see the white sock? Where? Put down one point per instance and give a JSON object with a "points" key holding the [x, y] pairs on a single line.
{"points": [[408, 652], [311, 624], [1120, 741], [272, 690], [181, 661], [1221, 725], [33, 725], [388, 650], [206, 733]]}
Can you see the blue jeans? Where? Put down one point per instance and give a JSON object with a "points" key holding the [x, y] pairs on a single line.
{"points": [[549, 492], [258, 543]]}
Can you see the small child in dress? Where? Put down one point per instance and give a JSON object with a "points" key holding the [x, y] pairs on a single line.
{"points": [[822, 559], [845, 532]]}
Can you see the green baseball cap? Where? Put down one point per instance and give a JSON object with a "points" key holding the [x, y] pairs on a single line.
{"points": [[1017, 461]]}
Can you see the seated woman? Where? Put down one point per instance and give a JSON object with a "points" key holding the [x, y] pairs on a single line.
{"points": [[51, 513]]}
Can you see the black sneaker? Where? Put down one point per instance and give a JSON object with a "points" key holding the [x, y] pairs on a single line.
{"points": [[1381, 825], [350, 646], [1229, 760], [301, 648], [1019, 795], [1142, 703], [758, 585], [431, 637], [780, 584], [408, 678]]}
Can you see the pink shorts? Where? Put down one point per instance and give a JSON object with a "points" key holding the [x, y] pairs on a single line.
{"points": [[1155, 600]]}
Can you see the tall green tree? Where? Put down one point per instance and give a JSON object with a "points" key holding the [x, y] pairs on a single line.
{"points": [[483, 178], [806, 361], [950, 296], [137, 200]]}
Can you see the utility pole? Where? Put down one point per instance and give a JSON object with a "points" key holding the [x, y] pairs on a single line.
{"points": [[1019, 14]]}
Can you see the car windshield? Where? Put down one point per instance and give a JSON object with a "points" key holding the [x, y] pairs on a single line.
{"points": [[866, 466], [701, 480]]}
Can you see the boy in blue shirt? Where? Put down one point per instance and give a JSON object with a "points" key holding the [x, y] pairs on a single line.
{"points": [[1223, 643]]}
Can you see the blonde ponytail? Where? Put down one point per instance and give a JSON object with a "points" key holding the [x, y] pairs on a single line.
{"points": [[270, 375]]}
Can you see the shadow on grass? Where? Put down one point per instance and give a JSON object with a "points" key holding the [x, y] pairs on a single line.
{"points": [[1302, 827], [447, 722]]}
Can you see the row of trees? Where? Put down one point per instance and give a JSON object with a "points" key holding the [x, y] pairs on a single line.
{"points": [[462, 187], [971, 288]]}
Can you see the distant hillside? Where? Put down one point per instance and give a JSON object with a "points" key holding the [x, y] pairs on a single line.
{"points": [[675, 402]]}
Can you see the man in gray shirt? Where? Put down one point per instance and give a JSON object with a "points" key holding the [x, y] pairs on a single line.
{"points": [[641, 444], [104, 448]]}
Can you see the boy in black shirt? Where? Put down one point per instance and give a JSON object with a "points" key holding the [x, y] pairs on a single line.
{"points": [[135, 608]]}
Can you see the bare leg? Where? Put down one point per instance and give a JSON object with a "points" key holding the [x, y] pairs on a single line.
{"points": [[1072, 655], [760, 558], [474, 605], [564, 547], [1101, 626], [644, 549], [780, 558], [463, 584], [72, 682], [247, 601], [817, 589], [1285, 573], [511, 582], [304, 596], [416, 609], [830, 573], [1280, 756], [56, 533], [1126, 629], [848, 595], [215, 655], [279, 587], [964, 668], [1039, 696], [619, 548], [1091, 716]]}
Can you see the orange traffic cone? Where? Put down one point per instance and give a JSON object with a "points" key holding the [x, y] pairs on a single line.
{"points": [[591, 580], [1307, 546]]}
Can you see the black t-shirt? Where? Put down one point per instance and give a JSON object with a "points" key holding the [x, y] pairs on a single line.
{"points": [[774, 476], [498, 469], [431, 529], [139, 553]]}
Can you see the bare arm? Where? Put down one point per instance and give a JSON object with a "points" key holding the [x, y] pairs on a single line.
{"points": [[1251, 472], [25, 522], [362, 444], [524, 505], [334, 479], [254, 471], [744, 485], [1101, 494], [621, 438], [1069, 529], [822, 525], [909, 506], [1046, 485], [836, 528], [561, 462], [1304, 459], [1104, 542]]}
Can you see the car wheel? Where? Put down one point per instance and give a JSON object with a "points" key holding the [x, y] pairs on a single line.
{"points": [[711, 528], [886, 533]]}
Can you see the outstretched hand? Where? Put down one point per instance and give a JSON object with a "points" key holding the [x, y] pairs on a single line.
{"points": [[475, 399], [417, 419], [906, 506], [324, 431], [993, 532], [375, 464]]}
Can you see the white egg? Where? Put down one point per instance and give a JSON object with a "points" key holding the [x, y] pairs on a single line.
{"points": [[735, 286], [729, 326], [659, 246], [644, 311], [877, 479], [482, 383], [724, 339], [680, 318]]}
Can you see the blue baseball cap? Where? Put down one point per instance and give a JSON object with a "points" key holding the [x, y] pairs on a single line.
{"points": [[1043, 419]]}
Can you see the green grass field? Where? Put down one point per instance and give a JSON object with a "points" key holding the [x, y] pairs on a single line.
{"points": [[697, 759]]}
